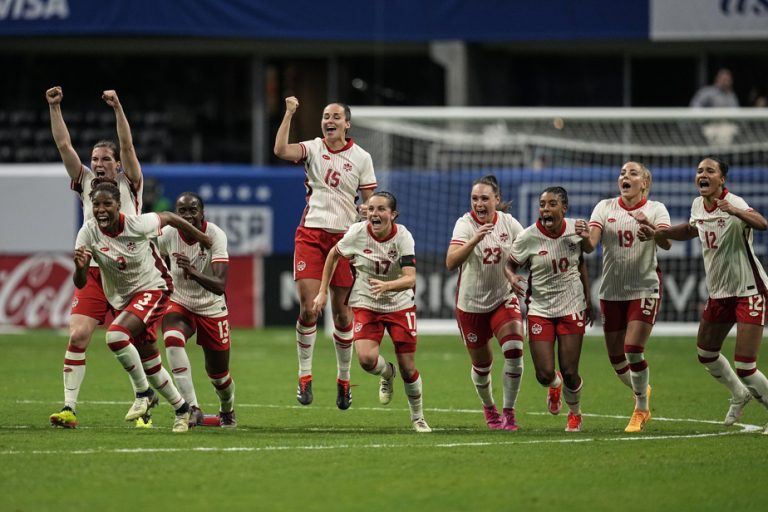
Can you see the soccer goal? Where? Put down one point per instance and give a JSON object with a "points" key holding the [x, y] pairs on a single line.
{"points": [[429, 157]]}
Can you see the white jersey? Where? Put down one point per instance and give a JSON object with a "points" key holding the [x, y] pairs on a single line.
{"points": [[482, 286], [130, 194], [332, 179], [380, 259], [726, 243], [554, 286], [630, 268], [129, 262], [188, 292]]}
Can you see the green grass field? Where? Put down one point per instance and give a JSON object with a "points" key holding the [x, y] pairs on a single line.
{"points": [[284, 456]]}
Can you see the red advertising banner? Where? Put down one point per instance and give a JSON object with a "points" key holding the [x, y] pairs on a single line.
{"points": [[36, 290]]}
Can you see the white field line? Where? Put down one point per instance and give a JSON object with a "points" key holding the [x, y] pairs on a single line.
{"points": [[744, 428]]}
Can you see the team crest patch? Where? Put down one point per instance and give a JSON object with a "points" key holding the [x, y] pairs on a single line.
{"points": [[472, 337], [131, 246], [504, 237], [721, 223], [572, 247], [358, 327], [347, 167], [300, 266], [392, 253], [74, 302], [536, 329]]}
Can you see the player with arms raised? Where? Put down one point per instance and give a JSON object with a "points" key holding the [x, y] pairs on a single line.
{"points": [[557, 298], [336, 170], [630, 292], [480, 244], [384, 256], [736, 282]]}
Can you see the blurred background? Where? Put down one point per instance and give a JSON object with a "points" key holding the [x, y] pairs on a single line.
{"points": [[203, 85]]}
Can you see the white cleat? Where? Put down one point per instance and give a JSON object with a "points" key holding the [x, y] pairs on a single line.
{"points": [[737, 408], [140, 406], [765, 432], [386, 386], [420, 425], [181, 423]]}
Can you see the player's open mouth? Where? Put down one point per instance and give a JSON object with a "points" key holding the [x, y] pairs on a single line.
{"points": [[103, 220], [100, 172], [375, 221], [330, 129], [625, 185], [704, 183], [547, 220], [481, 213]]}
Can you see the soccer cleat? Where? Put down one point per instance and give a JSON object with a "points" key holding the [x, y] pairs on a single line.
{"points": [[508, 419], [638, 420], [196, 416], [492, 417], [420, 425], [227, 419], [554, 400], [737, 408], [343, 394], [304, 390], [65, 418], [181, 422], [386, 386], [141, 405], [765, 432], [574, 423], [144, 421]]}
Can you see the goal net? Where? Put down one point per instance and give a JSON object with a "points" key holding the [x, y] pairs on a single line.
{"points": [[429, 157]]}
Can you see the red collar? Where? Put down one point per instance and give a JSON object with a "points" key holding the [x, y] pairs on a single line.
{"points": [[548, 233], [722, 196], [390, 236], [631, 208], [120, 227], [192, 241], [349, 144], [474, 216]]}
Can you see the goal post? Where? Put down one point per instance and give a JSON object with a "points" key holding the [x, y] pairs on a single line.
{"points": [[429, 156]]}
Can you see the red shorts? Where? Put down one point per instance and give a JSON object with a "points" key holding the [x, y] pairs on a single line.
{"points": [[745, 310], [546, 329], [149, 307], [477, 328], [212, 333], [90, 300], [311, 247], [401, 325], [616, 314]]}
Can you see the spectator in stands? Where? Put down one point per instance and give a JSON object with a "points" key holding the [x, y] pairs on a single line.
{"points": [[137, 285], [558, 298], [719, 94], [736, 282], [89, 305], [382, 298], [481, 243], [630, 291], [336, 170], [198, 305]]}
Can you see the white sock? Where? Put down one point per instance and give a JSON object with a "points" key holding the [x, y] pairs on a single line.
{"points": [[305, 346], [225, 389], [342, 340], [513, 370], [74, 373], [119, 343], [413, 392], [382, 369], [640, 375], [621, 367], [178, 360], [573, 398], [719, 368], [754, 380], [161, 381], [481, 377]]}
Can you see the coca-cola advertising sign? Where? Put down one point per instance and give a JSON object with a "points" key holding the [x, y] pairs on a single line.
{"points": [[36, 290]]}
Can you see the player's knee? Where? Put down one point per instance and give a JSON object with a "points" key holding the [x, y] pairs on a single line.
{"points": [[367, 360], [571, 379], [544, 377], [407, 371], [80, 337], [307, 316]]}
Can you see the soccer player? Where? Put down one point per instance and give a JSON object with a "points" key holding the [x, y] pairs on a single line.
{"points": [[557, 298], [89, 305], [336, 170], [198, 305], [480, 244], [736, 283], [630, 291], [138, 285], [383, 254]]}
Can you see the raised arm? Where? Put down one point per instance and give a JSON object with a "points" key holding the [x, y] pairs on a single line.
{"points": [[753, 218], [328, 269], [584, 231], [680, 232], [171, 219], [458, 254], [283, 149], [128, 157], [72, 163]]}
